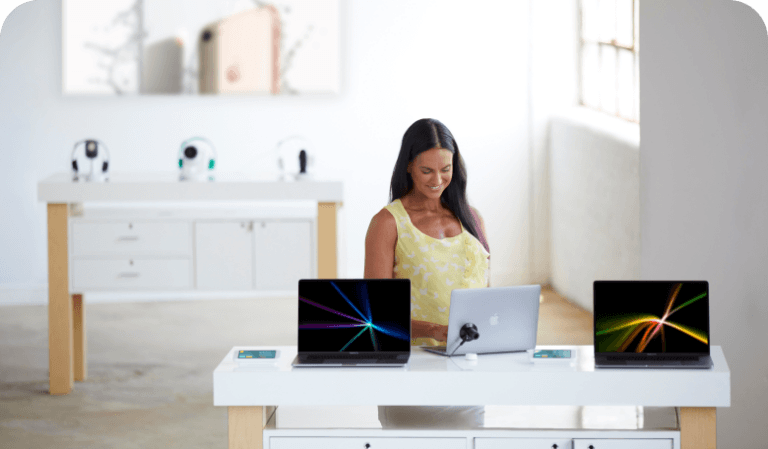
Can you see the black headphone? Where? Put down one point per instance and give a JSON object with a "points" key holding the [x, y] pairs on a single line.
{"points": [[468, 332]]}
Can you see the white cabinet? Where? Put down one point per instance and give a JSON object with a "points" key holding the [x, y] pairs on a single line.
{"points": [[366, 443], [609, 443], [224, 255], [282, 254], [221, 249], [523, 443]]}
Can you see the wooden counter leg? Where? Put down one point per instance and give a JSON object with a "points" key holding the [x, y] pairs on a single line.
{"points": [[246, 426], [698, 428], [60, 334], [78, 327], [327, 246]]}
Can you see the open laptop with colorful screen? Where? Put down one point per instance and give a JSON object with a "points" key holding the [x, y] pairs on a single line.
{"points": [[354, 322], [651, 324]]}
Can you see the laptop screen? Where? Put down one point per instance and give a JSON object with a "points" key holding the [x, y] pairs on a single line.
{"points": [[651, 317], [354, 315]]}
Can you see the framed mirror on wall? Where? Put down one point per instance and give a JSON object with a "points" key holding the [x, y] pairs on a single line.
{"points": [[205, 47]]}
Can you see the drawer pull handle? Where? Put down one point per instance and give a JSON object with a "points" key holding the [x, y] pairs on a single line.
{"points": [[128, 275], [128, 238]]}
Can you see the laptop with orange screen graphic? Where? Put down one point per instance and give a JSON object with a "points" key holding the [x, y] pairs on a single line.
{"points": [[651, 324]]}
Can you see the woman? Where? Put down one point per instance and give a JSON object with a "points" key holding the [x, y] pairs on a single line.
{"points": [[430, 235]]}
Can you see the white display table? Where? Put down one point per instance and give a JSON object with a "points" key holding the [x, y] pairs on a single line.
{"points": [[66, 313], [493, 380]]}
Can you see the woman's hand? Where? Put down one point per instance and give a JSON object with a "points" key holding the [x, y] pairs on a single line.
{"points": [[425, 329]]}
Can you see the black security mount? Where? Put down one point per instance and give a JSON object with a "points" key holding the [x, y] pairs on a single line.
{"points": [[468, 332]]}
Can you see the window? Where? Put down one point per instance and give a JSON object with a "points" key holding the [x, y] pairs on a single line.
{"points": [[608, 57]]}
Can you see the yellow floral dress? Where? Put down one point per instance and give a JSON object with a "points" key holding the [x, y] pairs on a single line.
{"points": [[435, 267]]}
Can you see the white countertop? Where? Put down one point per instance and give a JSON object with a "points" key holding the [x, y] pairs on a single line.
{"points": [[494, 379], [165, 186]]}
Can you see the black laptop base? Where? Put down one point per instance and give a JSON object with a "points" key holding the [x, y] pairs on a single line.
{"points": [[681, 362], [381, 360]]}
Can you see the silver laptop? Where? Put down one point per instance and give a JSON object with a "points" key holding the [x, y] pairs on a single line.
{"points": [[651, 324], [354, 322], [506, 320]]}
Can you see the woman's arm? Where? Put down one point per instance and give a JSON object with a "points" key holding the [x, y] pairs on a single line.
{"points": [[380, 244], [426, 329]]}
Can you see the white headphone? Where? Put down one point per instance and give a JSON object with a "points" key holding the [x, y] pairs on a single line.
{"points": [[92, 152], [197, 159]]}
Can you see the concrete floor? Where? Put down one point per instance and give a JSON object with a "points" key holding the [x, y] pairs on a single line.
{"points": [[150, 368]]}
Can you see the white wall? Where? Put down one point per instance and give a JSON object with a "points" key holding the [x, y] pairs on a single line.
{"points": [[595, 206], [401, 61], [554, 88], [703, 184]]}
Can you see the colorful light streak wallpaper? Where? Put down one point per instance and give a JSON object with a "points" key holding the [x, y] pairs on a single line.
{"points": [[651, 316], [354, 315]]}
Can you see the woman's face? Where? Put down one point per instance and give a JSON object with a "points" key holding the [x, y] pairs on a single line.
{"points": [[431, 172]]}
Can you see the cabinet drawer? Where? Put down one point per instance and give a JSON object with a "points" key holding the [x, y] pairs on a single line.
{"points": [[131, 238], [607, 443], [523, 443], [360, 443], [131, 274]]}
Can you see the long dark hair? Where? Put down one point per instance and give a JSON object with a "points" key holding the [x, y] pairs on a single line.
{"points": [[424, 135]]}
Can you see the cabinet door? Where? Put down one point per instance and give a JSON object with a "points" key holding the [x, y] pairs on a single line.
{"points": [[283, 254], [224, 255], [607, 443], [523, 443]]}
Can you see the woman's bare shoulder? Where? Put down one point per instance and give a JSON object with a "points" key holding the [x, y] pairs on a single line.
{"points": [[383, 223]]}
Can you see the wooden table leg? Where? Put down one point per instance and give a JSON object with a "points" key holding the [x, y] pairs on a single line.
{"points": [[327, 246], [698, 428], [246, 426], [78, 327], [60, 333]]}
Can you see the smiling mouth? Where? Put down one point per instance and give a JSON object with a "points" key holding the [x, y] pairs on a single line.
{"points": [[436, 187]]}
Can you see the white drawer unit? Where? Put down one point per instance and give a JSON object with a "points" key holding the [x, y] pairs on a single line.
{"points": [[219, 248], [131, 273], [129, 238], [523, 443], [610, 443], [366, 443]]}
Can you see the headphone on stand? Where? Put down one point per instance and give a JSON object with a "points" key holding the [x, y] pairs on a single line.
{"points": [[197, 159], [95, 155]]}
